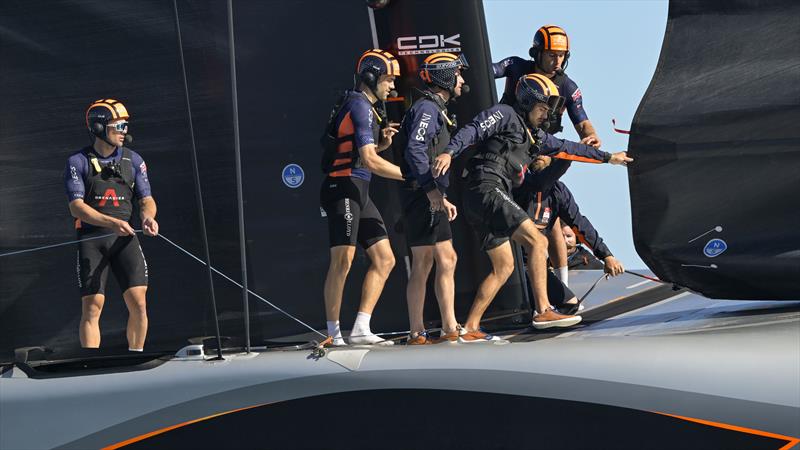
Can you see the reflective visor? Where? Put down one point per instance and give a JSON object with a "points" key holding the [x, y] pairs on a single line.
{"points": [[556, 102], [119, 126]]}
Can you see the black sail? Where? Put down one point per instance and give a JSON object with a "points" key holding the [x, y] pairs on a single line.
{"points": [[714, 188], [292, 60]]}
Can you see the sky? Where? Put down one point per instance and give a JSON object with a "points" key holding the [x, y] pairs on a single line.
{"points": [[614, 51]]}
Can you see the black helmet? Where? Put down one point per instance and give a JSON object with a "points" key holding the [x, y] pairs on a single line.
{"points": [[536, 88], [439, 69]]}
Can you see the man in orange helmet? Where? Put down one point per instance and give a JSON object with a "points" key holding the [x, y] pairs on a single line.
{"points": [[426, 211], [357, 131], [101, 181], [550, 53]]}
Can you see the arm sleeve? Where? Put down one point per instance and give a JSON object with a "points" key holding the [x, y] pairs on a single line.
{"points": [[573, 151], [486, 124], [574, 102], [569, 212], [421, 125], [141, 182], [363, 117], [74, 174]]}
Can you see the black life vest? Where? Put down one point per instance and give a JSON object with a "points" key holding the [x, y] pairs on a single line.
{"points": [[110, 185], [503, 159], [340, 152]]}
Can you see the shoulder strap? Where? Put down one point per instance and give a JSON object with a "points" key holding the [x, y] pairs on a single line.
{"points": [[127, 167]]}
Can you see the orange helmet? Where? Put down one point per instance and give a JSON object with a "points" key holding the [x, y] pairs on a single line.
{"points": [[374, 63], [101, 112], [550, 38]]}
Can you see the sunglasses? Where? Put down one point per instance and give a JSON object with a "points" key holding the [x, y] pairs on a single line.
{"points": [[119, 126]]}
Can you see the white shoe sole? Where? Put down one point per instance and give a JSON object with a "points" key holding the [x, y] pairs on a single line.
{"points": [[562, 323], [383, 343]]}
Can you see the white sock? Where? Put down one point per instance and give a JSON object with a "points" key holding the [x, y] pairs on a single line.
{"points": [[135, 349], [335, 332], [361, 333], [562, 273], [361, 326]]}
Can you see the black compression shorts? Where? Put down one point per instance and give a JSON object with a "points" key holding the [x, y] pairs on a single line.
{"points": [[492, 213], [122, 254], [423, 227], [352, 217]]}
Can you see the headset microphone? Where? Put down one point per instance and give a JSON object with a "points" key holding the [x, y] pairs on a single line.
{"points": [[128, 139], [392, 93], [464, 89]]}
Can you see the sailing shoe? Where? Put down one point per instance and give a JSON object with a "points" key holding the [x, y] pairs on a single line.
{"points": [[421, 338], [449, 338], [472, 337], [369, 339], [551, 318]]}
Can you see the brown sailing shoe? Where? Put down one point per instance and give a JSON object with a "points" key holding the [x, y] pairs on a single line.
{"points": [[420, 338], [550, 318]]}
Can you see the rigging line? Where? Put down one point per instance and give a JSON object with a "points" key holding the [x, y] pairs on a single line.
{"points": [[239, 196], [646, 277], [198, 190], [60, 244], [239, 285]]}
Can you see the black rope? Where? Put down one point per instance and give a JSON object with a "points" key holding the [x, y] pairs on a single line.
{"points": [[198, 191], [242, 248]]}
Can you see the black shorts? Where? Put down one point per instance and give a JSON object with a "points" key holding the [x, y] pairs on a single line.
{"points": [[422, 226], [122, 254], [352, 217], [492, 213]]}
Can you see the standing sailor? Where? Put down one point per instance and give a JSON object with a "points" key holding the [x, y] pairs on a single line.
{"points": [[101, 181], [550, 53], [506, 147], [426, 210], [357, 131]]}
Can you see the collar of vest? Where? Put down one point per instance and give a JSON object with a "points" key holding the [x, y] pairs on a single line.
{"points": [[435, 98]]}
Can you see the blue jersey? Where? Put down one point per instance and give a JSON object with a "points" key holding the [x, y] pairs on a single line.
{"points": [[77, 173], [421, 126], [514, 68], [360, 119]]}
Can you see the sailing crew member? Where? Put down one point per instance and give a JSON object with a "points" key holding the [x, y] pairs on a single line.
{"points": [[101, 182], [506, 146], [545, 202], [427, 212], [357, 131], [550, 53], [578, 256]]}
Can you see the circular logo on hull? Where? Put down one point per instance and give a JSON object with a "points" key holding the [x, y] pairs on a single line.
{"points": [[293, 176], [714, 248]]}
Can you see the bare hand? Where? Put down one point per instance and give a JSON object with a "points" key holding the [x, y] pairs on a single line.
{"points": [[592, 140], [122, 228], [451, 210], [612, 266], [441, 164], [150, 226], [620, 159], [387, 134], [436, 199]]}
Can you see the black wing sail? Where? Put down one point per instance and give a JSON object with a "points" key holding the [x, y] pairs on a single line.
{"points": [[714, 189]]}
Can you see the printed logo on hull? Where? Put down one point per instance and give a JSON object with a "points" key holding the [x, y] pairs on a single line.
{"points": [[714, 248], [425, 45], [293, 176]]}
